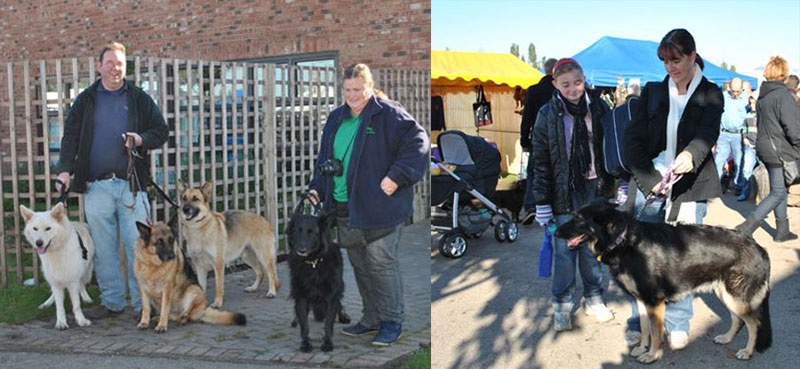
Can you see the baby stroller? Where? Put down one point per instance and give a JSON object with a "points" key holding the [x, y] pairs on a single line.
{"points": [[469, 169]]}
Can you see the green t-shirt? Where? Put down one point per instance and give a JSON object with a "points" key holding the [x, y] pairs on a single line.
{"points": [[342, 148]]}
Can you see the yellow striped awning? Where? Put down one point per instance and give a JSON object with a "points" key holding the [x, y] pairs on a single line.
{"points": [[455, 68]]}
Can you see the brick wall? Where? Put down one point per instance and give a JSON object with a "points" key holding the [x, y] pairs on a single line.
{"points": [[383, 34]]}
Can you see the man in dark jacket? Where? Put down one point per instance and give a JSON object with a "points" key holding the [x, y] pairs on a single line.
{"points": [[104, 120], [380, 151], [538, 95]]}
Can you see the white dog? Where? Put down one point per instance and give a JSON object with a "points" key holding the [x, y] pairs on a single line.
{"points": [[66, 251]]}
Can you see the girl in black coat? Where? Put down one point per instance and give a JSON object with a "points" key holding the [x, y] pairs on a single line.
{"points": [[778, 141]]}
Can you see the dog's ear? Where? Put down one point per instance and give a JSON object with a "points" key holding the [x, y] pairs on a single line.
{"points": [[181, 188], [58, 212], [208, 190], [27, 214], [144, 231], [173, 225]]}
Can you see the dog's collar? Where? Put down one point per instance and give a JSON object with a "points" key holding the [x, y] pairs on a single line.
{"points": [[614, 244], [314, 262]]}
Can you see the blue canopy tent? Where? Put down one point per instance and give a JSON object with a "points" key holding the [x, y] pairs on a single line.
{"points": [[610, 58]]}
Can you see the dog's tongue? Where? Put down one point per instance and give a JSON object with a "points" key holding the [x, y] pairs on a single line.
{"points": [[575, 240], [41, 250]]}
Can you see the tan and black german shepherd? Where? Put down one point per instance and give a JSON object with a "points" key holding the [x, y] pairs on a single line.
{"points": [[214, 239], [169, 283]]}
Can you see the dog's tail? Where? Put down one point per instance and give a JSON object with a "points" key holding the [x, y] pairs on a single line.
{"points": [[215, 316], [764, 334]]}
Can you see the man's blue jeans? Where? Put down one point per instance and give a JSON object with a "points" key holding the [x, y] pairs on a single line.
{"points": [[728, 143], [109, 216], [748, 165], [565, 258], [678, 314]]}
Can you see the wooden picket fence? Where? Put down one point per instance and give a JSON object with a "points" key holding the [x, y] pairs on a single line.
{"points": [[251, 129]]}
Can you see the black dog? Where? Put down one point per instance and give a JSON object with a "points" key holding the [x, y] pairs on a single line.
{"points": [[315, 263], [656, 263], [512, 199]]}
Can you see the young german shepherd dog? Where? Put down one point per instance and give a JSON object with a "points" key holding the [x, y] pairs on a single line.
{"points": [[657, 262], [316, 269], [168, 282], [214, 239], [66, 251]]}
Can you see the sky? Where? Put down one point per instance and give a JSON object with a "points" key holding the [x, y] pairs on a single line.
{"points": [[741, 33]]}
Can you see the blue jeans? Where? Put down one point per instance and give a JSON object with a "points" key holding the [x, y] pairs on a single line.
{"points": [[678, 313], [748, 165], [776, 200], [728, 143], [377, 271], [529, 204], [564, 262], [109, 217]]}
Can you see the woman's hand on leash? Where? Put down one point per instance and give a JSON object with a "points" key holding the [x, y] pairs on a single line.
{"points": [[64, 178], [388, 186], [683, 163]]}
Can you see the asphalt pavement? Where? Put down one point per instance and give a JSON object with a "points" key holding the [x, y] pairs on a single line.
{"points": [[490, 309]]}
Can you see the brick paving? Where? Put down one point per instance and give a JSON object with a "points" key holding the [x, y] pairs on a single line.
{"points": [[268, 337]]}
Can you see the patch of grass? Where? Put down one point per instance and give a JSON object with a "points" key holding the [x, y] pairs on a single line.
{"points": [[19, 304], [240, 335], [420, 359], [221, 338], [276, 335]]}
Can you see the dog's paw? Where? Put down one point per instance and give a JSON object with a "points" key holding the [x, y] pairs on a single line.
{"points": [[251, 289], [305, 346], [61, 325], [144, 324], [327, 346], [744, 354], [183, 320], [271, 294], [649, 357], [83, 322], [161, 328], [43, 306], [638, 351], [216, 304], [722, 339]]}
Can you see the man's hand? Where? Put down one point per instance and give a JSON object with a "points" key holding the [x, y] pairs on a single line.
{"points": [[313, 196], [137, 140], [63, 177], [683, 163], [388, 186]]}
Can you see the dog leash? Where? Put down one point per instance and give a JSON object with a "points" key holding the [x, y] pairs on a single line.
{"points": [[665, 186], [62, 198]]}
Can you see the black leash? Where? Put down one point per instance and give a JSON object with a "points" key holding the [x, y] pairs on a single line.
{"points": [[62, 198]]}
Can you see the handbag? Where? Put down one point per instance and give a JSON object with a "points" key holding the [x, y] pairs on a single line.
{"points": [[791, 169], [482, 109]]}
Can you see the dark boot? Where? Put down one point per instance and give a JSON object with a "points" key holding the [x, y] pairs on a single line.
{"points": [[748, 226], [745, 192], [784, 234]]}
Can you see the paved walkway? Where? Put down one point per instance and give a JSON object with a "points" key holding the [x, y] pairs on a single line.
{"points": [[492, 310], [268, 337]]}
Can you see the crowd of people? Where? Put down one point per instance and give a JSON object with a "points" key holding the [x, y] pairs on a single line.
{"points": [[685, 127]]}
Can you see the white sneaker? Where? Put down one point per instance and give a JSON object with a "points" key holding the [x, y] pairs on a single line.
{"points": [[632, 338], [678, 340], [598, 310], [562, 321]]}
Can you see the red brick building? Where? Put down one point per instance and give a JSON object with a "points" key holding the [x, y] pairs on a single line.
{"points": [[383, 34]]}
